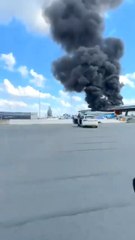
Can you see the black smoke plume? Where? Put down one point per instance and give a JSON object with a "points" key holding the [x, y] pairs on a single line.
{"points": [[92, 63]]}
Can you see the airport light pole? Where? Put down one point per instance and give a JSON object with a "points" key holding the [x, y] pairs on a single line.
{"points": [[39, 110]]}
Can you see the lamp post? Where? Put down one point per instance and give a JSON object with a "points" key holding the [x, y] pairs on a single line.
{"points": [[39, 110]]}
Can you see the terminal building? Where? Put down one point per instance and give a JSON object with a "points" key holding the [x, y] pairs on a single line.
{"points": [[17, 115]]}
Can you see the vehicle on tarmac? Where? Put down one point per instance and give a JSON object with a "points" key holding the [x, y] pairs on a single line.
{"points": [[88, 121], [85, 118], [93, 117]]}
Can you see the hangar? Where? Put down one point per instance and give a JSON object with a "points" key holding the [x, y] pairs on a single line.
{"points": [[17, 115]]}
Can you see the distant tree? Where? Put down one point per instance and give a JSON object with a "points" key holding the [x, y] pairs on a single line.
{"points": [[49, 112]]}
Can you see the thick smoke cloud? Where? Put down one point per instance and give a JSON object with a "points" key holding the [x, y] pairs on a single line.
{"points": [[92, 62]]}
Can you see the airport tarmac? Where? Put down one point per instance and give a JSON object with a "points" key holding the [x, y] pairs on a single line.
{"points": [[47, 121], [61, 182]]}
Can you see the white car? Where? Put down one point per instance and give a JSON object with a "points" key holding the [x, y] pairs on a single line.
{"points": [[88, 121]]}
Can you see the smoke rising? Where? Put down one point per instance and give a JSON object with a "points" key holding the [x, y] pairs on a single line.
{"points": [[92, 62]]}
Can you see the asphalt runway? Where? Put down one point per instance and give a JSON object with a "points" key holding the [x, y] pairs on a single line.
{"points": [[59, 182]]}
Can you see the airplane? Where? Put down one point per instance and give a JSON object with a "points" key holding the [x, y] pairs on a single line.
{"points": [[110, 113], [123, 108]]}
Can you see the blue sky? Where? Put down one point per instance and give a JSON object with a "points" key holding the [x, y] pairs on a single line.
{"points": [[27, 52]]}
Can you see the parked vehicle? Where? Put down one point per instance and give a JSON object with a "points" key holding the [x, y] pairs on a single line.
{"points": [[88, 121]]}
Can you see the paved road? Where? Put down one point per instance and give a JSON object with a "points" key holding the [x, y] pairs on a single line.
{"points": [[40, 121], [59, 182]]}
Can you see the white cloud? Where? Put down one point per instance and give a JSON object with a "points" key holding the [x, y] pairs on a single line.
{"points": [[38, 79], [64, 94], [23, 70], [8, 60], [67, 100], [4, 103], [128, 80], [130, 101], [1, 88], [65, 104], [59, 110], [82, 106], [76, 98], [29, 12], [27, 91], [68, 96], [131, 75]]}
